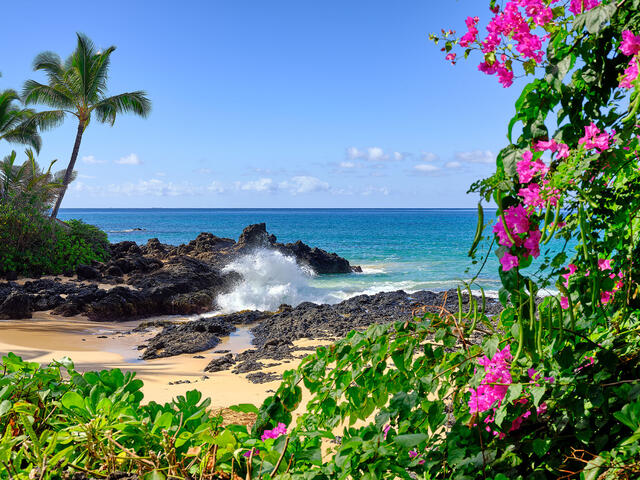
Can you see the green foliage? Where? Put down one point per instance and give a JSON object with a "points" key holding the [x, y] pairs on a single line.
{"points": [[28, 183], [31, 244], [549, 388]]}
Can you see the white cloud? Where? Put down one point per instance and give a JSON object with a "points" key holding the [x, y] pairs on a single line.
{"points": [[160, 174], [476, 156], [216, 187], [304, 184], [131, 159], [428, 156], [347, 165], [425, 168], [261, 185], [399, 156], [90, 159], [453, 165], [371, 190], [204, 171], [155, 187], [372, 154]]}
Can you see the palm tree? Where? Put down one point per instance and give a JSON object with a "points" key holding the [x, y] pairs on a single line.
{"points": [[13, 128], [28, 182], [78, 87]]}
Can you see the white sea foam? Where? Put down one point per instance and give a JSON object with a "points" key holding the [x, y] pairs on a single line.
{"points": [[269, 280], [373, 269]]}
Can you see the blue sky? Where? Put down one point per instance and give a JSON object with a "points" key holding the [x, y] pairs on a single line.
{"points": [[272, 104]]}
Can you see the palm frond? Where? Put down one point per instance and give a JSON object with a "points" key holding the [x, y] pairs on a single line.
{"points": [[99, 73], [36, 92], [47, 120], [134, 102], [13, 126]]}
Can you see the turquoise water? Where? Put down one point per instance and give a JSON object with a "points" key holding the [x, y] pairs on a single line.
{"points": [[408, 249]]}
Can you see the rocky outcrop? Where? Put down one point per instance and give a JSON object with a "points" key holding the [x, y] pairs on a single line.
{"points": [[16, 305], [275, 332], [191, 337], [320, 261], [155, 279]]}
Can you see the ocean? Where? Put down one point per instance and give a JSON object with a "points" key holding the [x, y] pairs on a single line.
{"points": [[398, 249]]}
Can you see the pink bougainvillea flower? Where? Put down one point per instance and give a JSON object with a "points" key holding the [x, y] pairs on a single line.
{"points": [[508, 261], [503, 237], [563, 150], [542, 409], [630, 43], [505, 75], [248, 453], [580, 6], [451, 57], [413, 453], [517, 423], [280, 429], [605, 297], [385, 431], [470, 37], [531, 195], [493, 387], [604, 264], [532, 243], [564, 303], [594, 139], [517, 219], [630, 74], [543, 145]]}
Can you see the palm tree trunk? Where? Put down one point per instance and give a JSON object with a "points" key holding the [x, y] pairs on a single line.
{"points": [[68, 174]]}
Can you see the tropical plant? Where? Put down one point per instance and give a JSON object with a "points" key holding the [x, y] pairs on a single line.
{"points": [[28, 182], [78, 87], [14, 125]]}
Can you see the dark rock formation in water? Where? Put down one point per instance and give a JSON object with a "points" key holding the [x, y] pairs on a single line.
{"points": [[155, 279]]}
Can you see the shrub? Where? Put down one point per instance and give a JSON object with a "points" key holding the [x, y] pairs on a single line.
{"points": [[30, 244]]}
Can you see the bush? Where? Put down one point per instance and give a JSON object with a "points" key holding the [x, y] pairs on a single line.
{"points": [[30, 244]]}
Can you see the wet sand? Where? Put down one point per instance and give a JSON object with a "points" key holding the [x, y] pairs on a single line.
{"points": [[45, 338]]}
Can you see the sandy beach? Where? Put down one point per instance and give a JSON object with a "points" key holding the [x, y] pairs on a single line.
{"points": [[97, 346]]}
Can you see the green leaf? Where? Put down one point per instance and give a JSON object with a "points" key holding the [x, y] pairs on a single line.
{"points": [[163, 421], [490, 346], [154, 475], [541, 447], [409, 440], [5, 406], [244, 408], [72, 400], [537, 394]]}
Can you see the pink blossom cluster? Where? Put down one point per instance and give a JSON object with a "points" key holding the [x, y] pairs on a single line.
{"points": [[495, 383], [630, 46], [517, 219], [510, 23], [560, 149], [472, 32], [580, 6], [535, 195], [595, 138], [505, 75], [280, 429], [604, 264], [493, 389]]}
